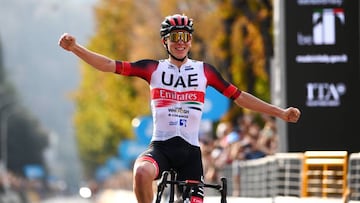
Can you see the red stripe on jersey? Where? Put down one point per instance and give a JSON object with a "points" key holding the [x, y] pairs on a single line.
{"points": [[142, 68], [123, 67], [159, 93], [126, 68], [118, 67], [231, 92], [215, 80], [164, 103]]}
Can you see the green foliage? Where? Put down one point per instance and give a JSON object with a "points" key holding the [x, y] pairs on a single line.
{"points": [[233, 35]]}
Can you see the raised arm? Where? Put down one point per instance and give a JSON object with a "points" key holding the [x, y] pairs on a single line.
{"points": [[251, 102], [96, 60]]}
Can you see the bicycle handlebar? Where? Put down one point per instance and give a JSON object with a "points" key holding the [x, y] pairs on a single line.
{"points": [[222, 188]]}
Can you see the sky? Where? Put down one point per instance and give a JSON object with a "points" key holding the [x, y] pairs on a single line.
{"points": [[44, 74]]}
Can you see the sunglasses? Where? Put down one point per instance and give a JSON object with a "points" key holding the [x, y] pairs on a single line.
{"points": [[177, 36]]}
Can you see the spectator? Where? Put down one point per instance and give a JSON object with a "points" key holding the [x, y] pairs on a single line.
{"points": [[219, 152], [268, 141], [210, 172], [252, 148]]}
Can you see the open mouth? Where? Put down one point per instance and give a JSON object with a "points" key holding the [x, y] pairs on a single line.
{"points": [[180, 48]]}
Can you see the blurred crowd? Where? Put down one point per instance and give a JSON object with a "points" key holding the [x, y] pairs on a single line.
{"points": [[17, 189], [248, 138]]}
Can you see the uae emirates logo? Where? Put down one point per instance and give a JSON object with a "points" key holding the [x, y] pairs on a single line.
{"points": [[324, 27], [324, 30]]}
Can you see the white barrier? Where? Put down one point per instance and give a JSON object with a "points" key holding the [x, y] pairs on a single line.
{"points": [[116, 196]]}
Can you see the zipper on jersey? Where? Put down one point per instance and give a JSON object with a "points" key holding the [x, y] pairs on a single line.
{"points": [[178, 104]]}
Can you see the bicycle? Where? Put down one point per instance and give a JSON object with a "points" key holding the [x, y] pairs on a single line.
{"points": [[188, 186]]}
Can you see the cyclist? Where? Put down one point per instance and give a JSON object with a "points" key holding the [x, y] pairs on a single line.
{"points": [[177, 86]]}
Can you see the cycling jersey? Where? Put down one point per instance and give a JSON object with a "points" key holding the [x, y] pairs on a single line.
{"points": [[177, 94]]}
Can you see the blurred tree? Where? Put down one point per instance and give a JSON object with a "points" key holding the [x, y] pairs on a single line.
{"points": [[26, 140], [246, 47]]}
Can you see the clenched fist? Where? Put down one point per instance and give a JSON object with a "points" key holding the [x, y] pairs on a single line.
{"points": [[292, 114], [67, 42]]}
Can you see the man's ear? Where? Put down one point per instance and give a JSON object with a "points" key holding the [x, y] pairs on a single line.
{"points": [[164, 42]]}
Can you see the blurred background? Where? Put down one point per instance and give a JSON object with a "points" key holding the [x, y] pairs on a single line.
{"points": [[70, 131], [36, 108]]}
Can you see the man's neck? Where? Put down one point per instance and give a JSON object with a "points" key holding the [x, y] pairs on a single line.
{"points": [[176, 62]]}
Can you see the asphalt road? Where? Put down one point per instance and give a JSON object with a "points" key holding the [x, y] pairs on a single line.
{"points": [[67, 200], [117, 196]]}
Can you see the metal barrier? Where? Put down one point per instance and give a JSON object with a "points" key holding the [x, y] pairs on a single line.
{"points": [[354, 176], [289, 174], [253, 181], [321, 174], [278, 175]]}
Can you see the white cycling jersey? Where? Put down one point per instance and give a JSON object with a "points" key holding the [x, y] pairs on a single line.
{"points": [[177, 94]]}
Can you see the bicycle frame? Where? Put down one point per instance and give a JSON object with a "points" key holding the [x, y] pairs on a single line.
{"points": [[188, 184]]}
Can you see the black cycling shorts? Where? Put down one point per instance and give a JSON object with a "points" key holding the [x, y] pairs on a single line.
{"points": [[176, 154]]}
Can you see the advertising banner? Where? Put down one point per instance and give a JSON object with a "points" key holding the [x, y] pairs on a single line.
{"points": [[322, 76]]}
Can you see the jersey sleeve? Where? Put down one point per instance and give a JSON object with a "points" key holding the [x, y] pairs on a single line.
{"points": [[215, 80], [142, 68]]}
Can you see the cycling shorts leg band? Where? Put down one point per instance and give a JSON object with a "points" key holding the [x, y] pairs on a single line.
{"points": [[151, 160]]}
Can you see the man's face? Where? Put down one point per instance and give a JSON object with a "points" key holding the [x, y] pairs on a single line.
{"points": [[179, 43]]}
